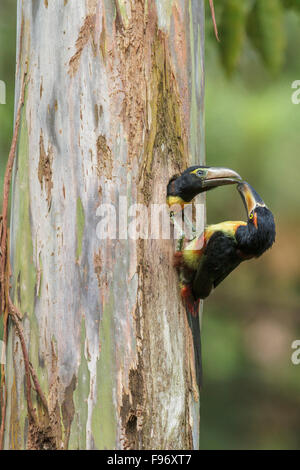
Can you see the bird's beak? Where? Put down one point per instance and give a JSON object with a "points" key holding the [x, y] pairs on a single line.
{"points": [[250, 197], [217, 176]]}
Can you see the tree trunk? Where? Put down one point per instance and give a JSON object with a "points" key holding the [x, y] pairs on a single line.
{"points": [[113, 108]]}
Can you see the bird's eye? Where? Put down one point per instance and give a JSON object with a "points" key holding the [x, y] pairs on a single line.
{"points": [[251, 215], [200, 173]]}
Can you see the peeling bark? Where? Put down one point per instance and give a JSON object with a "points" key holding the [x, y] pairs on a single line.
{"points": [[113, 107], [45, 169]]}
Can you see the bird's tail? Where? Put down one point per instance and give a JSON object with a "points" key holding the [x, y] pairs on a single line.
{"points": [[192, 309]]}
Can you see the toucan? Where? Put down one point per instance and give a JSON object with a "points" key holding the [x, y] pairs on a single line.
{"points": [[182, 189], [209, 258]]}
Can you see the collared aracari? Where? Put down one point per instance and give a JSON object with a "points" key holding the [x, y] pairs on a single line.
{"points": [[197, 179], [209, 258], [181, 190]]}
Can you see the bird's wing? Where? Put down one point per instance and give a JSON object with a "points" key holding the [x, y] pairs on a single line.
{"points": [[218, 260], [227, 272], [202, 282]]}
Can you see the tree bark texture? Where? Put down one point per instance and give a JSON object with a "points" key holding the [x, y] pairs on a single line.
{"points": [[113, 107]]}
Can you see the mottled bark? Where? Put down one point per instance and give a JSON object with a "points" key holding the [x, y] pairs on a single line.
{"points": [[113, 107]]}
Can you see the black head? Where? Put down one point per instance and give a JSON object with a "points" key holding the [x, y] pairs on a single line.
{"points": [[197, 179], [259, 234]]}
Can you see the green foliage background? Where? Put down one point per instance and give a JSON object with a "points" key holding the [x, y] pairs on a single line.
{"points": [[251, 393]]}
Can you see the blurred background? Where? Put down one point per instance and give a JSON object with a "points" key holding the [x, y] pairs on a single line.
{"points": [[251, 392]]}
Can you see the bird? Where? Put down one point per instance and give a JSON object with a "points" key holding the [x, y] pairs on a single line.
{"points": [[204, 262], [183, 188]]}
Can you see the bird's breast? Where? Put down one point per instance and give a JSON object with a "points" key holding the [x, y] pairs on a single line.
{"points": [[174, 200]]}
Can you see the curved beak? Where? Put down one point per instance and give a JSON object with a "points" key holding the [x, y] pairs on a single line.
{"points": [[250, 197], [218, 176]]}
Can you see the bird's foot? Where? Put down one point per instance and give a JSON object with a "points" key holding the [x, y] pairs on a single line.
{"points": [[179, 230], [190, 226], [177, 260], [175, 223]]}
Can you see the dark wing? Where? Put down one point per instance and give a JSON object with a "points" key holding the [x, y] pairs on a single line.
{"points": [[219, 259]]}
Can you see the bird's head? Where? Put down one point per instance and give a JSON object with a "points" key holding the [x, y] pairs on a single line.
{"points": [[261, 226], [196, 179]]}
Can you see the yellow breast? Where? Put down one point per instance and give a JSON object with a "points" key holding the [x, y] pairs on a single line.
{"points": [[172, 200]]}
